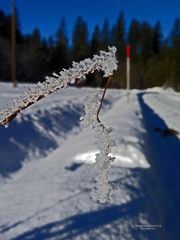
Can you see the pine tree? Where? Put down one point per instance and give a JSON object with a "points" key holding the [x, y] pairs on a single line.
{"points": [[80, 40], [134, 38], [60, 55], [118, 39], [95, 43], [175, 45], [5, 59], [175, 34], [34, 60], [157, 38], [105, 35], [134, 34], [119, 35], [95, 46], [146, 40], [5, 45]]}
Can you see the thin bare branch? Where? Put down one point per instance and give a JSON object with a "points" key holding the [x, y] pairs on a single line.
{"points": [[105, 62], [104, 93]]}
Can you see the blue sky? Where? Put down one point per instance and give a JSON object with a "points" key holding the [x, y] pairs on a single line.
{"points": [[46, 14]]}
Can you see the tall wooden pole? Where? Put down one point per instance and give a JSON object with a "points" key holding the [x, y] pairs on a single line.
{"points": [[128, 71], [13, 44]]}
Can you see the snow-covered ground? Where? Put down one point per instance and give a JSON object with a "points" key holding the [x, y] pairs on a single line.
{"points": [[47, 171]]}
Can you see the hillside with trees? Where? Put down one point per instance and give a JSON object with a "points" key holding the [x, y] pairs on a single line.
{"points": [[154, 57]]}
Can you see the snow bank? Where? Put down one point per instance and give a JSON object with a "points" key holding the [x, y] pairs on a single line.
{"points": [[49, 197]]}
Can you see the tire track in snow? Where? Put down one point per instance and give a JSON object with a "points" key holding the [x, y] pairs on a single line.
{"points": [[164, 160]]}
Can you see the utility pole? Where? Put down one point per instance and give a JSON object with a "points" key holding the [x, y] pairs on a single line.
{"points": [[13, 44], [128, 71]]}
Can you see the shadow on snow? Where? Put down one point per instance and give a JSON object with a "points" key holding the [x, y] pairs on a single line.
{"points": [[160, 191], [34, 134], [165, 161], [83, 223]]}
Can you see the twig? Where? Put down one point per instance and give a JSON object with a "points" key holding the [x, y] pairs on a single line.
{"points": [[105, 89], [106, 62]]}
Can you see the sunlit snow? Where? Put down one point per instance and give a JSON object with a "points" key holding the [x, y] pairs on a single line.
{"points": [[121, 160], [47, 170]]}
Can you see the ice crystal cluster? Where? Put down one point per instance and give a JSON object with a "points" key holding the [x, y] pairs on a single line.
{"points": [[106, 62], [102, 189]]}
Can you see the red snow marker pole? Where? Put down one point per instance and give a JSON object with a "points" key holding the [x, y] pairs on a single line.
{"points": [[128, 51]]}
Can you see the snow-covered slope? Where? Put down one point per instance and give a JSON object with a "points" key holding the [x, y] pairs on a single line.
{"points": [[47, 172]]}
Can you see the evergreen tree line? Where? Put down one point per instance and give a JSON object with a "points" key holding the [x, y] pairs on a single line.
{"points": [[155, 60]]}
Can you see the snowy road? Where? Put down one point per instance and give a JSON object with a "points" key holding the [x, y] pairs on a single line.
{"points": [[165, 155], [48, 197]]}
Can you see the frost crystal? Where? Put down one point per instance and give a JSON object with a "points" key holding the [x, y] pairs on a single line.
{"points": [[103, 188], [106, 62]]}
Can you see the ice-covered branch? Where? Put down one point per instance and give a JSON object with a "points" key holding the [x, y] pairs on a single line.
{"points": [[106, 62], [102, 189]]}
